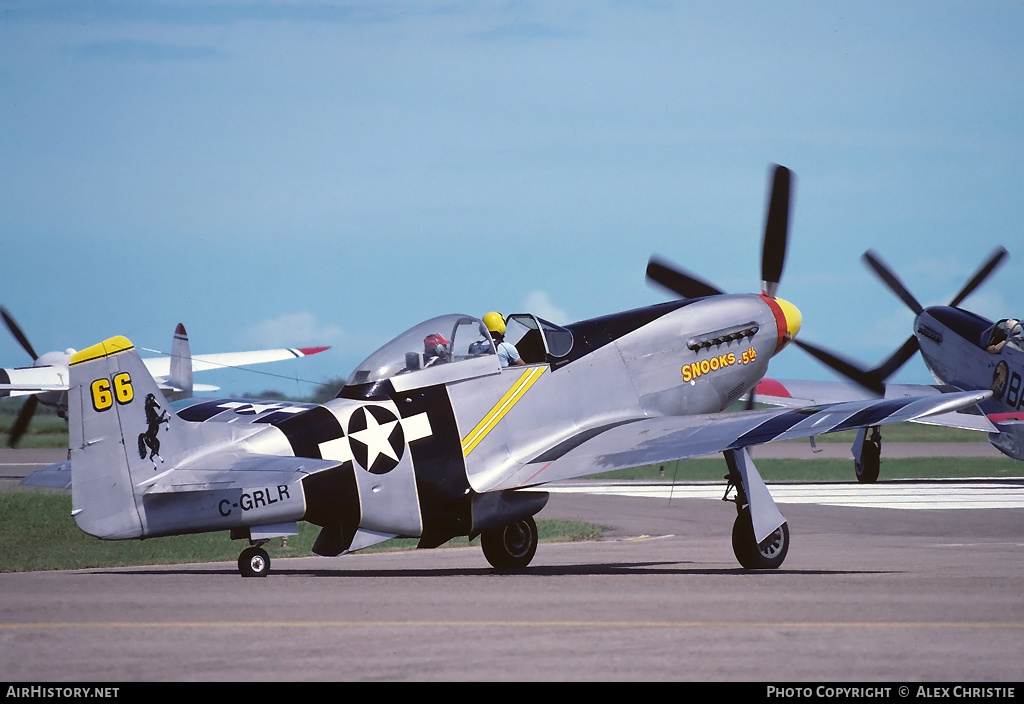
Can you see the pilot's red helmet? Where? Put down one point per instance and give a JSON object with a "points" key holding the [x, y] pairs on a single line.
{"points": [[430, 342]]}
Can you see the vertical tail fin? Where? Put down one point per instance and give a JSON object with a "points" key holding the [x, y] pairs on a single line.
{"points": [[121, 432], [138, 470], [180, 376]]}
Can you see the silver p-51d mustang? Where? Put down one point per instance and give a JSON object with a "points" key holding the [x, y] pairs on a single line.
{"points": [[439, 440]]}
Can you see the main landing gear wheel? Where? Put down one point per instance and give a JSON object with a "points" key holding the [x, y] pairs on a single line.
{"points": [[870, 461], [254, 562], [767, 555], [512, 546]]}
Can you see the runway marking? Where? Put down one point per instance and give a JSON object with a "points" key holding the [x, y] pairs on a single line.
{"points": [[518, 624], [980, 545], [909, 496]]}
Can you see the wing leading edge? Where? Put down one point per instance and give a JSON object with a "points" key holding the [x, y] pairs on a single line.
{"points": [[667, 438]]}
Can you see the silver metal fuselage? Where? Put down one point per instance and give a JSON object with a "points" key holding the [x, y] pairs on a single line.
{"points": [[953, 345], [427, 441], [423, 441]]}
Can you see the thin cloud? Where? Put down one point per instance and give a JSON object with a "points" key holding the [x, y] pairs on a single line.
{"points": [[130, 51], [539, 303], [524, 31], [293, 330], [224, 12]]}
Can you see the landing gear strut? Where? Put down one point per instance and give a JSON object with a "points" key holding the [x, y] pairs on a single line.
{"points": [[511, 546], [870, 462], [254, 562], [769, 553]]}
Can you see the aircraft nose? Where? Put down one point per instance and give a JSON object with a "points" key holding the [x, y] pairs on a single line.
{"points": [[792, 319]]}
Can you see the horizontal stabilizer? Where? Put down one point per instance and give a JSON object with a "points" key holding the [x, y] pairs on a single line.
{"points": [[54, 476], [232, 469]]}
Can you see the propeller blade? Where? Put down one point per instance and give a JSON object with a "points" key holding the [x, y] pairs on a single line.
{"points": [[898, 358], [890, 279], [776, 231], [28, 409], [18, 334], [681, 283], [868, 380], [994, 260]]}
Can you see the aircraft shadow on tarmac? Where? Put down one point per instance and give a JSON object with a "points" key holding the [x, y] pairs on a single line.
{"points": [[595, 569]]}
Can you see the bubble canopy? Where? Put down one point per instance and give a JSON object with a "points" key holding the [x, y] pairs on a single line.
{"points": [[444, 340]]}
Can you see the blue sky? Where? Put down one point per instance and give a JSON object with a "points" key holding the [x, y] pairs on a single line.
{"points": [[299, 173]]}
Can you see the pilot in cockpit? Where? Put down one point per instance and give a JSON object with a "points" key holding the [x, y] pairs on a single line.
{"points": [[435, 349], [508, 355], [1006, 332]]}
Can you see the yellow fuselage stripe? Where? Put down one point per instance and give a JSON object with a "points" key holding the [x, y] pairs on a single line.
{"points": [[510, 399]]}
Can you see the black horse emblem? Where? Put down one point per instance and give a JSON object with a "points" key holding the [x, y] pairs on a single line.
{"points": [[154, 417]]}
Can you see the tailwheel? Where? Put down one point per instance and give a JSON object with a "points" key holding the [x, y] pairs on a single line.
{"points": [[254, 562], [511, 546], [870, 458], [766, 555]]}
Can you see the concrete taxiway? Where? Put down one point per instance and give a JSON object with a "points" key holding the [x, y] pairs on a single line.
{"points": [[867, 594]]}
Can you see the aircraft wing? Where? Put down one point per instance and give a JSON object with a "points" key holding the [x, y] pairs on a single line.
{"points": [[21, 381], [801, 393], [161, 366], [223, 469], [667, 438]]}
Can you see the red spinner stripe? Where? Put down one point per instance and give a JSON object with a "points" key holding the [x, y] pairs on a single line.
{"points": [[780, 321]]}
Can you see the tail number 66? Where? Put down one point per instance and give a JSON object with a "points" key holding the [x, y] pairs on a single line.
{"points": [[103, 396]]}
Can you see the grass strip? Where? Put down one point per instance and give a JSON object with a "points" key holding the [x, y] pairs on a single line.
{"points": [[40, 534], [825, 470]]}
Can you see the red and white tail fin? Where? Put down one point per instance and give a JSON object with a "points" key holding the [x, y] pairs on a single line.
{"points": [[180, 377]]}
